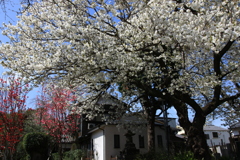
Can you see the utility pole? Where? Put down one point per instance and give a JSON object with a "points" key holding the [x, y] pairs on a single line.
{"points": [[165, 117]]}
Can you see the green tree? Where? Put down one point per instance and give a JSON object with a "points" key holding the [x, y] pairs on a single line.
{"points": [[31, 123]]}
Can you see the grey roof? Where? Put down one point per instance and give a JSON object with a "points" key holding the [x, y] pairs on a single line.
{"points": [[214, 128], [236, 125]]}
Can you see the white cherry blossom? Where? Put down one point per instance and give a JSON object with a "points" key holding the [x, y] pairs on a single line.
{"points": [[164, 48]]}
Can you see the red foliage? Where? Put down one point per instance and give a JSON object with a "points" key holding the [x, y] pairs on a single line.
{"points": [[12, 108], [56, 112]]}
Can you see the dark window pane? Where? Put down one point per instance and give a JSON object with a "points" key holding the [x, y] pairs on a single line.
{"points": [[141, 141], [116, 141], [159, 141], [207, 136], [215, 134]]}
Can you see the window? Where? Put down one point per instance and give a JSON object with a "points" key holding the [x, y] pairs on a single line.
{"points": [[159, 141], [141, 141], [215, 134], [207, 136], [116, 141]]}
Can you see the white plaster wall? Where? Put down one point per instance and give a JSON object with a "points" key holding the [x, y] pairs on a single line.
{"points": [[160, 131], [106, 138], [224, 135], [143, 133], [98, 145], [110, 130]]}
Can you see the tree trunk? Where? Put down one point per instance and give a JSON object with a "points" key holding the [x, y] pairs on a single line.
{"points": [[150, 112], [196, 138], [151, 132], [197, 143]]}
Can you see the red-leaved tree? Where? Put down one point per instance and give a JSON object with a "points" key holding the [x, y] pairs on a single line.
{"points": [[12, 108], [57, 114]]}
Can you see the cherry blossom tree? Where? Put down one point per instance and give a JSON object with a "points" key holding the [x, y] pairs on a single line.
{"points": [[229, 113], [57, 116], [12, 108], [185, 53]]}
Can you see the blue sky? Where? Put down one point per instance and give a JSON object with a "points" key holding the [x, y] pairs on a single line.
{"points": [[10, 16]]}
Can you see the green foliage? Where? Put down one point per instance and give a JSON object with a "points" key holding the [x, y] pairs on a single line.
{"points": [[30, 127], [55, 156], [21, 153], [184, 156], [31, 123], [163, 156], [73, 155], [35, 142], [26, 157], [153, 156], [225, 158], [73, 146], [69, 155]]}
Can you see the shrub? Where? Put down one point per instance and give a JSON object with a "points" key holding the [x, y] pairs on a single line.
{"points": [[36, 143], [21, 153]]}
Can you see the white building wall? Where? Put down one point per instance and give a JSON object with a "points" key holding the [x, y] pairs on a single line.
{"points": [[105, 137], [160, 132], [172, 123], [143, 133], [223, 136], [110, 131], [103, 141], [98, 145]]}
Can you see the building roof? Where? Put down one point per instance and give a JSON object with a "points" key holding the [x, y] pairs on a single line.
{"points": [[205, 128], [214, 128], [236, 125]]}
